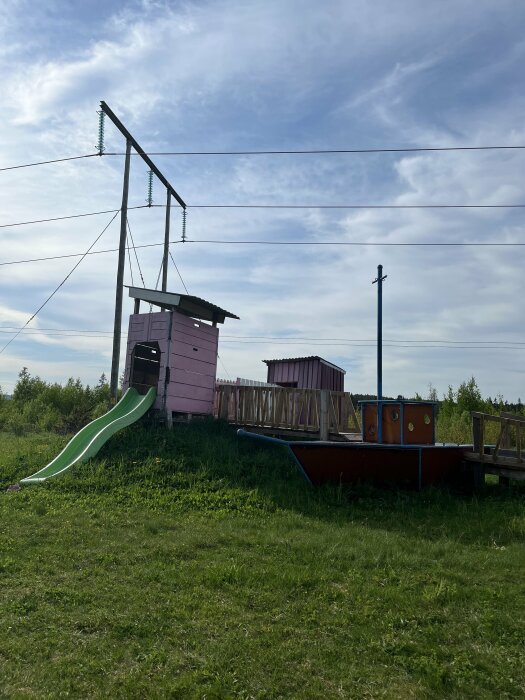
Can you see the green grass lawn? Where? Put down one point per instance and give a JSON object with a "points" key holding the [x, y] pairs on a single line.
{"points": [[191, 564]]}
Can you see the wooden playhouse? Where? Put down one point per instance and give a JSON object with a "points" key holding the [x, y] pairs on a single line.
{"points": [[174, 349]]}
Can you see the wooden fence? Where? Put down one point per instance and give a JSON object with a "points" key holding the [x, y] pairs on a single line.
{"points": [[305, 410], [507, 452]]}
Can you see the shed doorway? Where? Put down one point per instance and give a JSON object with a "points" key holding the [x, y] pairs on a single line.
{"points": [[145, 366]]}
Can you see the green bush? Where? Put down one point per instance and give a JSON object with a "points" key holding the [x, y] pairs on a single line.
{"points": [[38, 405], [454, 421]]}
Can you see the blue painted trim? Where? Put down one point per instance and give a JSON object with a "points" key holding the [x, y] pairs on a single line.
{"points": [[379, 347], [274, 441], [262, 438], [298, 463], [403, 401]]}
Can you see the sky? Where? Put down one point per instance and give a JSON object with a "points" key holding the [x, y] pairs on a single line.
{"points": [[238, 75]]}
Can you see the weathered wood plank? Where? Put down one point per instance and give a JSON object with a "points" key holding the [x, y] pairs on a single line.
{"points": [[284, 407], [487, 459]]}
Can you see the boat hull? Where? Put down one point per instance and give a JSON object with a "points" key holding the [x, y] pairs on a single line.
{"points": [[408, 466], [405, 466]]}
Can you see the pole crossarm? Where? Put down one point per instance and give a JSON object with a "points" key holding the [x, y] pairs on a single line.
{"points": [[120, 126]]}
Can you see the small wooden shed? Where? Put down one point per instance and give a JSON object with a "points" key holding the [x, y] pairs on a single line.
{"points": [[174, 349], [306, 373]]}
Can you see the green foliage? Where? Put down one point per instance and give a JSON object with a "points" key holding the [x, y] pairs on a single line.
{"points": [[454, 422], [39, 405]]}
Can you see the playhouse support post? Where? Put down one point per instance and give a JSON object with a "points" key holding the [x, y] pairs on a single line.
{"points": [[120, 278], [323, 414], [166, 408]]}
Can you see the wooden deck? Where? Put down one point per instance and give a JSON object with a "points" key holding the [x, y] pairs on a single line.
{"points": [[505, 457], [302, 412]]}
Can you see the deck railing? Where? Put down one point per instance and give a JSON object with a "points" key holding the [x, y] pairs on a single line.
{"points": [[306, 410], [510, 431]]}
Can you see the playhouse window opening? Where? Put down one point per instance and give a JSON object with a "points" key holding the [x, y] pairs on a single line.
{"points": [[145, 366]]}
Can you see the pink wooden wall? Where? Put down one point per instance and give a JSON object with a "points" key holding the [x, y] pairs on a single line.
{"points": [[192, 361], [307, 373]]}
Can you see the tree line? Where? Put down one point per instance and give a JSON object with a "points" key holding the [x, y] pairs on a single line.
{"points": [[37, 405], [453, 410]]}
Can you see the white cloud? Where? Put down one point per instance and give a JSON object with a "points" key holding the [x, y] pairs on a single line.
{"points": [[231, 75]]}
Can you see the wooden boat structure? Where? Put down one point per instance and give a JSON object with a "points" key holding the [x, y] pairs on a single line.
{"points": [[396, 445], [408, 456]]}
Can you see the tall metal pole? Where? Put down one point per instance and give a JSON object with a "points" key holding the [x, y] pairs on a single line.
{"points": [[120, 277], [379, 281], [166, 242]]}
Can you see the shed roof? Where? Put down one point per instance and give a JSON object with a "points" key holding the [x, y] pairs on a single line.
{"points": [[303, 359], [183, 303]]}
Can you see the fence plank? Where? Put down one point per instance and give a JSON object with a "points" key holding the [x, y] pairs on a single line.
{"points": [[284, 407]]}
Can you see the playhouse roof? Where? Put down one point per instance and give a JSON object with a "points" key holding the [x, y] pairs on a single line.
{"points": [[305, 359], [183, 303]]}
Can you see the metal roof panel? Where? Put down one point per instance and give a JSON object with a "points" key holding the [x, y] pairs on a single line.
{"points": [[303, 359], [184, 303]]}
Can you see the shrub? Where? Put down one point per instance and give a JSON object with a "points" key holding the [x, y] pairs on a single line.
{"points": [[38, 405]]}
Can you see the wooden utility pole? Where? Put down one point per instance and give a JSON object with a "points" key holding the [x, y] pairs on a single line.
{"points": [[166, 242], [120, 278], [131, 142]]}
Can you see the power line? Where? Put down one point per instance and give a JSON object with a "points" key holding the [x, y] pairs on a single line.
{"points": [[70, 216], [77, 255], [173, 261], [349, 243], [135, 251], [184, 285], [129, 260], [223, 365], [158, 276], [313, 151], [277, 243], [411, 346], [276, 206], [372, 340], [311, 342], [322, 151], [61, 283], [47, 162], [231, 338], [64, 330], [355, 206], [68, 335]]}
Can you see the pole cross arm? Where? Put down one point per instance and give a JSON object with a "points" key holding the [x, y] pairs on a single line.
{"points": [[120, 126]]}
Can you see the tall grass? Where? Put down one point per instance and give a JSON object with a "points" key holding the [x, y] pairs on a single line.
{"points": [[192, 564]]}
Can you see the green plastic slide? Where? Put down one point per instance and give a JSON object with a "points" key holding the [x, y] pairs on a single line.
{"points": [[88, 441]]}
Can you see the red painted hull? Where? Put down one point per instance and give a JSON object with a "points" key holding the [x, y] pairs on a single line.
{"points": [[409, 466]]}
